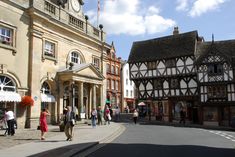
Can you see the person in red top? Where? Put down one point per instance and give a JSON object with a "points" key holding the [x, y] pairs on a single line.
{"points": [[107, 115], [43, 122]]}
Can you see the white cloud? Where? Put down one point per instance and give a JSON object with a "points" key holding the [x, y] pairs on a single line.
{"points": [[182, 5], [202, 6], [128, 17], [198, 7]]}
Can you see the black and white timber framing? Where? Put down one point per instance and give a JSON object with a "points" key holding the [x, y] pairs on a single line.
{"points": [[183, 67]]}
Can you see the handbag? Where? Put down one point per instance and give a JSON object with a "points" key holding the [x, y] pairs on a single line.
{"points": [[73, 122], [38, 128]]}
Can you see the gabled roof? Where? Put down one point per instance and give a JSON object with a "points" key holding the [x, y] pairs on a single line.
{"points": [[224, 48], [164, 47], [83, 70]]}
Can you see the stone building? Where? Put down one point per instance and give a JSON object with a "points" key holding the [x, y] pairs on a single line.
{"points": [[50, 52], [182, 71]]}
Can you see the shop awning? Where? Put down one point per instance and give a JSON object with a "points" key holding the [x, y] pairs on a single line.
{"points": [[141, 104], [6, 96], [47, 98]]}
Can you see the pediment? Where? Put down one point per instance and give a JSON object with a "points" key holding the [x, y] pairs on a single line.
{"points": [[82, 70], [90, 72]]}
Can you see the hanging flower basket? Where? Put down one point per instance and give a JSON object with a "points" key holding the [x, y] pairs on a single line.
{"points": [[27, 101]]}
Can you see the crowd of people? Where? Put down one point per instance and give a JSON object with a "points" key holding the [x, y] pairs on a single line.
{"points": [[69, 117]]}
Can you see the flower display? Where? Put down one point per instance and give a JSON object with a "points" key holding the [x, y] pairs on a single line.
{"points": [[27, 101]]}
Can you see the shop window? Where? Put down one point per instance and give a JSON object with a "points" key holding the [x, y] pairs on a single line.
{"points": [[210, 114], [217, 92]]}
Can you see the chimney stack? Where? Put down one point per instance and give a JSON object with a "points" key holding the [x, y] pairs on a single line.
{"points": [[176, 31]]}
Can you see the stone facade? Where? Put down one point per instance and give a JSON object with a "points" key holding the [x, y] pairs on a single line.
{"points": [[57, 57]]}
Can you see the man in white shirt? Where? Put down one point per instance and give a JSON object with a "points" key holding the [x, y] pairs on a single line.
{"points": [[9, 116]]}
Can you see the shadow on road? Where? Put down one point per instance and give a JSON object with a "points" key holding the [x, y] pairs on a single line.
{"points": [[151, 150]]}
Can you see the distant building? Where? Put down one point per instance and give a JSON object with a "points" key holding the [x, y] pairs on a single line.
{"points": [[128, 88], [182, 71], [50, 52], [113, 78]]}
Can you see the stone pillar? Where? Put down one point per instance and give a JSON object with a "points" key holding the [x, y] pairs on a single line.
{"points": [[81, 109], [94, 95], [101, 96], [90, 101]]}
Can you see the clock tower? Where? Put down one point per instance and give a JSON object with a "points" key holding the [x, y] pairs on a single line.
{"points": [[75, 7]]}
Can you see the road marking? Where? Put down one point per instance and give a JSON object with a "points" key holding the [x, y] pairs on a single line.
{"points": [[222, 134]]}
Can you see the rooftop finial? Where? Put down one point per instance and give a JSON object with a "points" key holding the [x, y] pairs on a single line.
{"points": [[212, 38]]}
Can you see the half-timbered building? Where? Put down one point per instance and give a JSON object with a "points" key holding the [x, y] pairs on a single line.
{"points": [[181, 71]]}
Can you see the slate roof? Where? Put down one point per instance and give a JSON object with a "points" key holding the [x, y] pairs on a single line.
{"points": [[226, 48], [165, 47]]}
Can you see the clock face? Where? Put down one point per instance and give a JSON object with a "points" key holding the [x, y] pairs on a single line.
{"points": [[75, 5]]}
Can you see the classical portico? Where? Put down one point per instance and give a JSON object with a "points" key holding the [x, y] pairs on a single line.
{"points": [[81, 87]]}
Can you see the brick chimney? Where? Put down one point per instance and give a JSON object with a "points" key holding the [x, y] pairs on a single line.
{"points": [[176, 31]]}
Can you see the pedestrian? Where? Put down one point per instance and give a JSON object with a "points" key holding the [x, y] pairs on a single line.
{"points": [[135, 116], [93, 117], [69, 123], [9, 116], [182, 116], [43, 122], [117, 114], [107, 115], [99, 115], [149, 112]]}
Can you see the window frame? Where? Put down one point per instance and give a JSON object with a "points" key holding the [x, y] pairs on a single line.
{"points": [[94, 63], [13, 30], [47, 56]]}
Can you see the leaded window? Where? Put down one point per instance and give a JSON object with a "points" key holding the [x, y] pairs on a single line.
{"points": [[217, 91]]}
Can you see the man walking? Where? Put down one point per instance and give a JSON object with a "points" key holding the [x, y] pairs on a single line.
{"points": [[69, 123], [9, 115]]}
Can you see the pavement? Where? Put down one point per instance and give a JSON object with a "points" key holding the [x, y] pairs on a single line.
{"points": [[26, 142]]}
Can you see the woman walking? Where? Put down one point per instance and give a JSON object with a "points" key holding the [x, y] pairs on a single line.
{"points": [[135, 116], [43, 122]]}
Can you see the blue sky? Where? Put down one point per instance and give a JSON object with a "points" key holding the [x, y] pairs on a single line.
{"points": [[126, 21]]}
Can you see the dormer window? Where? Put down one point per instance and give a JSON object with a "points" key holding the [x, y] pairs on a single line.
{"points": [[75, 58]]}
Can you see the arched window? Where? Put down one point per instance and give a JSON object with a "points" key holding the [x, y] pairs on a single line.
{"points": [[75, 57], [6, 84], [45, 88]]}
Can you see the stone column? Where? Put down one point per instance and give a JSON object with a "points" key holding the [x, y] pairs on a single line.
{"points": [[90, 101], [101, 96], [81, 110], [94, 95]]}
